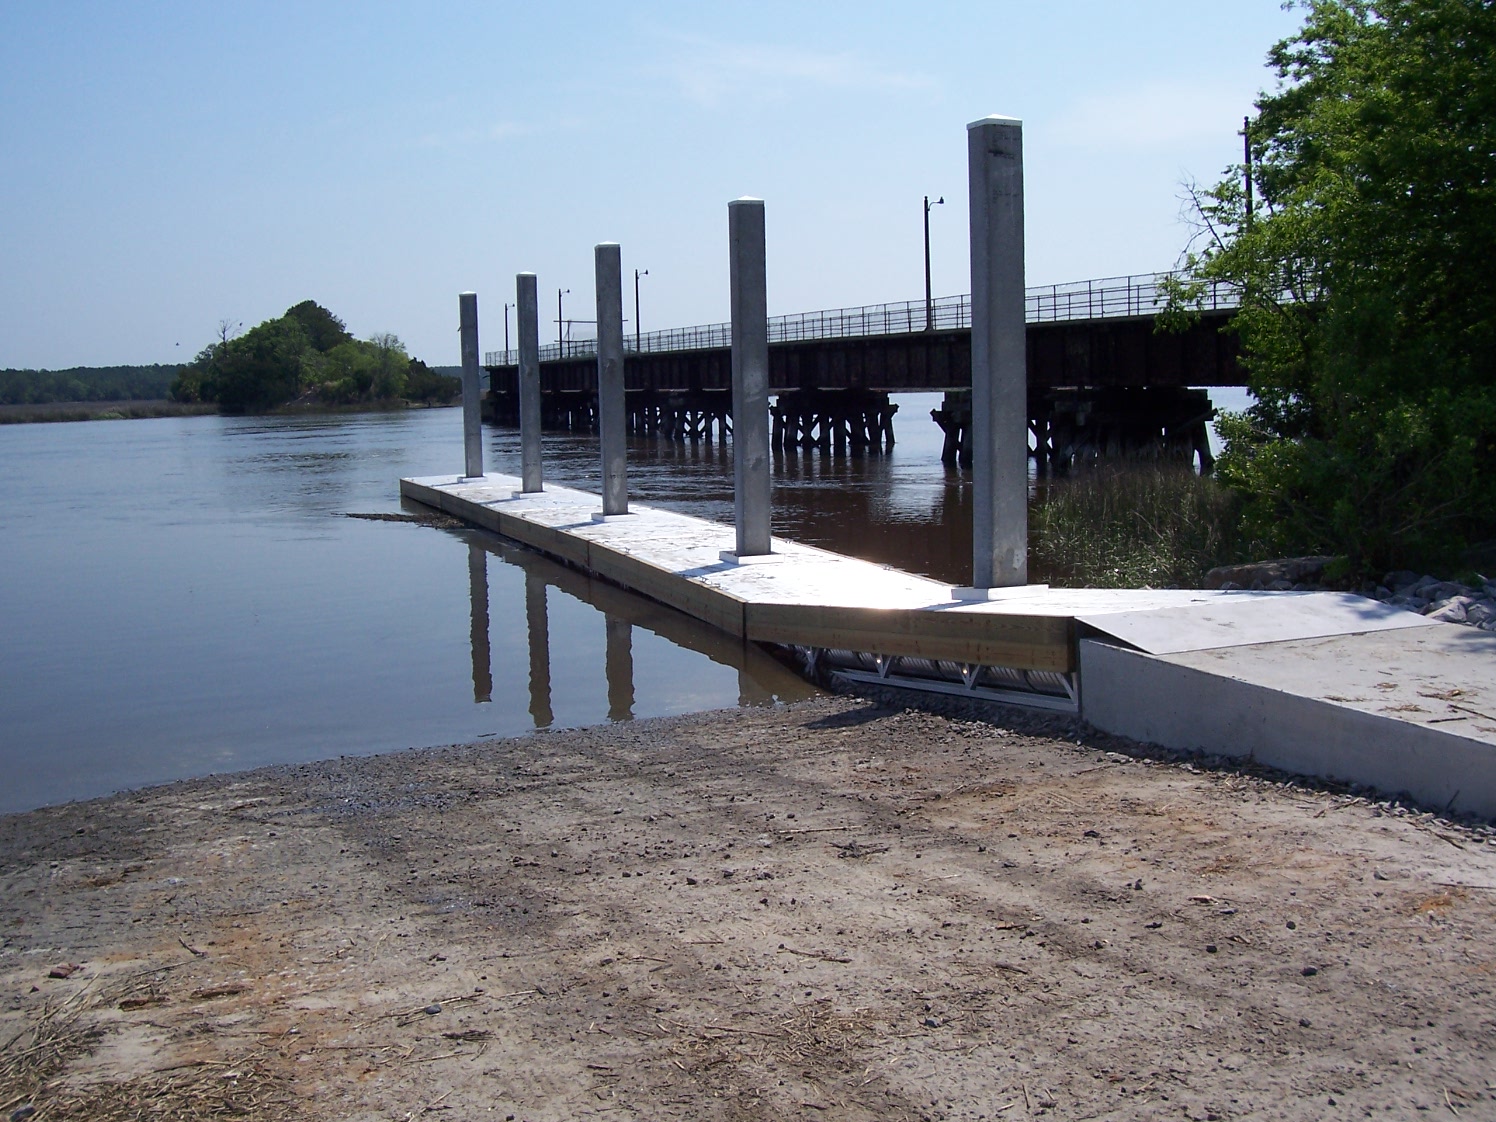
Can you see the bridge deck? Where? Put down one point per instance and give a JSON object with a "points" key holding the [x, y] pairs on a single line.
{"points": [[1086, 333], [1095, 353], [1324, 683]]}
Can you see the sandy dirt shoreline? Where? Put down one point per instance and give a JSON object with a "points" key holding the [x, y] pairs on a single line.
{"points": [[827, 911]]}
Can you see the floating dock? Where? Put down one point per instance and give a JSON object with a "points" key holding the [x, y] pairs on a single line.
{"points": [[1320, 683]]}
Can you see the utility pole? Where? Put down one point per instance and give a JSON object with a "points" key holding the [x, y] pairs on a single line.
{"points": [[929, 297]]}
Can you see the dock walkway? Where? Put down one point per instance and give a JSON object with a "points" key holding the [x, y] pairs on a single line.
{"points": [[1321, 683]]}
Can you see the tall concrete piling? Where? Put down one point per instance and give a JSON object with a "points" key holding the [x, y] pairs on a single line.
{"points": [[472, 391], [999, 380], [612, 417], [527, 305], [750, 377]]}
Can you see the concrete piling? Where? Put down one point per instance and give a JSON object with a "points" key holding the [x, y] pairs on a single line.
{"points": [[999, 380], [528, 310], [750, 377], [472, 391], [612, 418]]}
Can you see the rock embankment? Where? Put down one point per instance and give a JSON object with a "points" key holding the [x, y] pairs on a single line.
{"points": [[1444, 600]]}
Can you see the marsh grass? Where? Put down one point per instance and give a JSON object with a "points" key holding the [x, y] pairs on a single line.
{"points": [[59, 411], [1130, 527]]}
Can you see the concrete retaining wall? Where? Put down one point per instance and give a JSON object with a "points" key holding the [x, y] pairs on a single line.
{"points": [[1148, 698]]}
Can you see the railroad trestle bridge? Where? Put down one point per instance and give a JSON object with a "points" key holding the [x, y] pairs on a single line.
{"points": [[1104, 381]]}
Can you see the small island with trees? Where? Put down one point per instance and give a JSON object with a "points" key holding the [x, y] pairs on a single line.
{"points": [[306, 358]]}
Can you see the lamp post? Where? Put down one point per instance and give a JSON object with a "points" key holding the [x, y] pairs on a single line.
{"points": [[1246, 144], [506, 331], [929, 298], [560, 324], [637, 275]]}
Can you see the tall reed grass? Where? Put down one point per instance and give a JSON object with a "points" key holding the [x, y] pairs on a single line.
{"points": [[1132, 526]]}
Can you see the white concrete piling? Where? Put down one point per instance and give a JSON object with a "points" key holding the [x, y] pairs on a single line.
{"points": [[750, 377], [527, 305], [472, 390], [999, 379], [612, 417]]}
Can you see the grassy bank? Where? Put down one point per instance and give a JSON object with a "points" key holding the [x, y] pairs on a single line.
{"points": [[130, 410], [1131, 527], [98, 411]]}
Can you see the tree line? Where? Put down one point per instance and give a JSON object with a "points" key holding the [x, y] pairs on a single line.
{"points": [[306, 356], [87, 383]]}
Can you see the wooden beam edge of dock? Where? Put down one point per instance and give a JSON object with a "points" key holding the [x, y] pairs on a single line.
{"points": [[1021, 642]]}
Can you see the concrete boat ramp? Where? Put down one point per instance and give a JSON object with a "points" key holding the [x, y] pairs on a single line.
{"points": [[1316, 683]]}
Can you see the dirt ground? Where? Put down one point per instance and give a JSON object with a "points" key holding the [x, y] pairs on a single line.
{"points": [[825, 911]]}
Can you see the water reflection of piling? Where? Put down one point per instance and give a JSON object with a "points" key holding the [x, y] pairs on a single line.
{"points": [[619, 668], [538, 626], [478, 597], [751, 692], [760, 678]]}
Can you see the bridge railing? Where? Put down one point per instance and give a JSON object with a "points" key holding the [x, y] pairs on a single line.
{"points": [[1108, 298]]}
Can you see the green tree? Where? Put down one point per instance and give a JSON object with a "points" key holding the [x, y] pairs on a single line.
{"points": [[347, 374], [194, 382], [262, 368], [1368, 318], [426, 385], [324, 331], [390, 365]]}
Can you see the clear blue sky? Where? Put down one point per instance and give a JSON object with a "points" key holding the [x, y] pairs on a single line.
{"points": [[168, 165]]}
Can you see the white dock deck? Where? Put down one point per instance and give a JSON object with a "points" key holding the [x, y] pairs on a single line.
{"points": [[1324, 683]]}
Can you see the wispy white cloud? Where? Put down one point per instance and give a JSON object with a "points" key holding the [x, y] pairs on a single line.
{"points": [[1155, 114], [711, 72]]}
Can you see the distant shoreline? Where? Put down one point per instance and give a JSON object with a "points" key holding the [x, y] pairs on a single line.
{"points": [[58, 411]]}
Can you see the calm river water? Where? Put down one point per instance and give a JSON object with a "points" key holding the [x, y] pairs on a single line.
{"points": [[186, 595]]}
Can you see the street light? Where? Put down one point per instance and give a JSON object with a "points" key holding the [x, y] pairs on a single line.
{"points": [[929, 299], [560, 336], [506, 331], [1246, 144], [637, 275]]}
